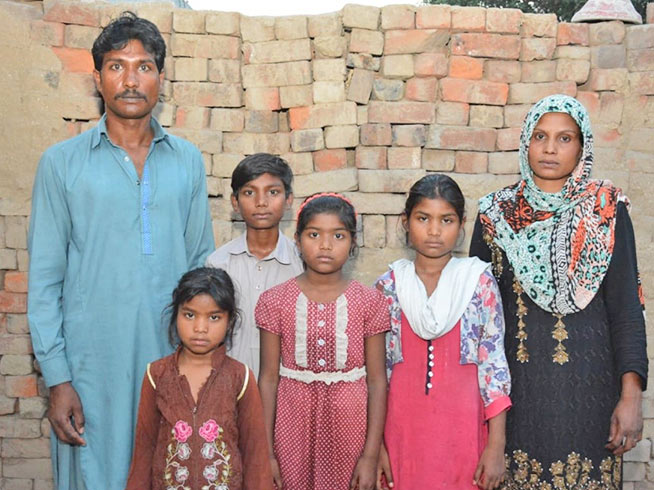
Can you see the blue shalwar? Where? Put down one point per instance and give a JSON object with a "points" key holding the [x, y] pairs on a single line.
{"points": [[106, 251]]}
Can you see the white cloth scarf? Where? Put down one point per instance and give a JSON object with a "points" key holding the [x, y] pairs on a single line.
{"points": [[432, 317]]}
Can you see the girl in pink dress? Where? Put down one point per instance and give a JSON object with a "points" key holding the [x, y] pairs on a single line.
{"points": [[322, 377], [449, 388]]}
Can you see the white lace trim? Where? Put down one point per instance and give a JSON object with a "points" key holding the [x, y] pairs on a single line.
{"points": [[341, 336], [327, 377], [301, 331]]}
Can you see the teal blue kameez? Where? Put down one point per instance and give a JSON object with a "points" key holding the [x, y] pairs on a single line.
{"points": [[106, 250]]}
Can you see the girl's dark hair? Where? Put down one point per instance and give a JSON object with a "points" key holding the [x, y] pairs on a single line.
{"points": [[330, 205], [120, 31], [204, 280], [436, 186]]}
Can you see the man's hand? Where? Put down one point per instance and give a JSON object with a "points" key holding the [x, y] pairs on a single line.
{"points": [[64, 404]]}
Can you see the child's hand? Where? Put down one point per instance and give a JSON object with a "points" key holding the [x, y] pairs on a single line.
{"points": [[277, 475], [490, 469], [384, 469], [363, 477]]}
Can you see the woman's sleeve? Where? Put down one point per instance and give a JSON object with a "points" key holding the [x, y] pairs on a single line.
{"points": [[252, 442], [145, 439], [378, 318], [621, 295], [266, 315], [478, 247], [492, 368]]}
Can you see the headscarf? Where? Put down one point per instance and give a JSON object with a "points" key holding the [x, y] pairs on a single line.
{"points": [[558, 244]]}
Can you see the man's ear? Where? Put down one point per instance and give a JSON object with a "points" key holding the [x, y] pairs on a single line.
{"points": [[97, 78]]}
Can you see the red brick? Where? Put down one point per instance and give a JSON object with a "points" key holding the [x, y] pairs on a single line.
{"points": [[486, 45], [641, 83], [640, 59], [16, 282], [375, 134], [262, 98], [539, 25], [537, 49], [409, 135], [47, 33], [365, 41], [405, 157], [73, 13], [410, 41], [572, 33], [321, 115], [15, 344], [474, 91], [506, 21], [21, 386], [529, 93], [207, 94], [373, 157], [503, 71], [192, 117], [614, 79], [422, 89], [466, 67], [430, 64], [508, 139], [469, 19], [398, 17], [401, 112], [470, 162], [591, 101], [461, 138], [325, 160], [453, 113], [13, 302], [75, 60], [434, 17]]}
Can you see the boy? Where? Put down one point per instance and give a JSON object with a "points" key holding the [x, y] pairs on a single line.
{"points": [[262, 257]]}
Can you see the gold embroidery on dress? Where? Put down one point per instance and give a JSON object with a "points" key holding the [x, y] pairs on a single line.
{"points": [[521, 355], [573, 474], [560, 334], [496, 255]]}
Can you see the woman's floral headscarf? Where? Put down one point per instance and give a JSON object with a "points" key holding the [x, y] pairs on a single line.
{"points": [[558, 244]]}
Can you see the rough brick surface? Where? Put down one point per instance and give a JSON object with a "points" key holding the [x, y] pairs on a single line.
{"points": [[466, 67], [266, 98], [461, 138], [434, 17], [474, 92], [454, 113], [397, 66], [415, 41], [371, 157], [72, 13], [325, 160], [573, 33], [398, 17], [207, 94], [307, 140], [330, 46], [486, 116], [376, 134], [503, 20], [421, 89], [325, 25], [202, 46], [503, 71], [612, 32], [404, 157], [538, 71], [342, 136], [225, 71], [227, 23], [361, 16], [295, 96], [360, 86], [539, 25], [468, 19], [537, 49], [401, 112], [247, 143], [486, 45], [526, 93], [294, 27], [321, 115], [430, 64], [389, 90], [277, 51], [409, 135], [334, 70], [277, 74], [257, 29], [366, 41], [438, 160]]}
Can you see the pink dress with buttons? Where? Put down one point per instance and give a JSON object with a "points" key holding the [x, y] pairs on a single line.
{"points": [[320, 425]]}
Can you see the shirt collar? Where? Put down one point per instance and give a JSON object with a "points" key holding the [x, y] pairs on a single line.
{"points": [[281, 253], [217, 357], [101, 128]]}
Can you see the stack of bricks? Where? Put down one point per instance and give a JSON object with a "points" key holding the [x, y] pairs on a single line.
{"points": [[364, 101]]}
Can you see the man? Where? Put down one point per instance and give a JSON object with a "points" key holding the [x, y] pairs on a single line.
{"points": [[119, 213]]}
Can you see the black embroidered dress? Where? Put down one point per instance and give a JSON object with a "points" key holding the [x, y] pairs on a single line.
{"points": [[566, 372]]}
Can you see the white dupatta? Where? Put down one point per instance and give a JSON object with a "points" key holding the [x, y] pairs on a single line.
{"points": [[432, 317]]}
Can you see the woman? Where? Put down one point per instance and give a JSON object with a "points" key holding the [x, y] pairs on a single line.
{"points": [[562, 249]]}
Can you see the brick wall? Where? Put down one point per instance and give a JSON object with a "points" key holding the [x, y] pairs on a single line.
{"points": [[362, 101]]}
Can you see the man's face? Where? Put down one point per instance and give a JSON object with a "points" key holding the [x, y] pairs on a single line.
{"points": [[129, 81]]}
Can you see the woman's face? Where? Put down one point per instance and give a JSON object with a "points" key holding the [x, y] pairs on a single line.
{"points": [[554, 150]]}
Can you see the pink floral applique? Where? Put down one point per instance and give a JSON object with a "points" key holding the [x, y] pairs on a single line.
{"points": [[182, 431], [209, 430]]}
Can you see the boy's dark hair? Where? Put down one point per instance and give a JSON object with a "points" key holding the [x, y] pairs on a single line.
{"points": [[258, 164], [120, 31], [204, 280], [436, 186], [329, 205]]}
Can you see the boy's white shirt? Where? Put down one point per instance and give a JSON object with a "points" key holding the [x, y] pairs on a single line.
{"points": [[251, 277]]}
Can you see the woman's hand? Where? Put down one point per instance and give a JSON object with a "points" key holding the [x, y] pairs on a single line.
{"points": [[491, 468], [384, 469], [627, 419], [363, 477], [276, 473]]}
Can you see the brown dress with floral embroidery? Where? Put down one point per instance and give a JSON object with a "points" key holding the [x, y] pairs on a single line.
{"points": [[217, 444], [565, 373]]}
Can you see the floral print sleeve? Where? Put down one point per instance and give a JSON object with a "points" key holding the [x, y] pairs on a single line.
{"points": [[482, 343], [386, 284]]}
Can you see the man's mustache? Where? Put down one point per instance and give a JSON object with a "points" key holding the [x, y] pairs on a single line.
{"points": [[130, 94]]}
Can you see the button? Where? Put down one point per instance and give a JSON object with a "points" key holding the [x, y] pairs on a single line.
{"points": [[321, 307], [429, 385], [321, 342], [322, 362], [431, 363], [431, 348], [257, 287], [321, 323], [127, 159], [431, 356], [430, 374], [259, 267]]}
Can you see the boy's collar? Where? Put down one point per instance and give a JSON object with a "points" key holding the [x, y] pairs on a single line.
{"points": [[281, 253]]}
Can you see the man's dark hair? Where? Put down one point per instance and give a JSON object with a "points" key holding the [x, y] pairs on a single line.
{"points": [[258, 164], [120, 31]]}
